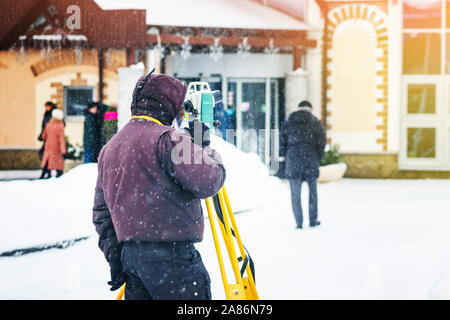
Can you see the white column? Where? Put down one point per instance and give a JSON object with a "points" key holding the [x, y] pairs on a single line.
{"points": [[296, 89], [127, 81], [154, 60]]}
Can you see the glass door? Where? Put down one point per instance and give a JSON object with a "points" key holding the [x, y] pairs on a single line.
{"points": [[256, 104], [275, 120], [248, 99], [253, 117]]}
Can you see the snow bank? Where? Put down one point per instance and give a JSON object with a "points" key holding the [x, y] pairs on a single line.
{"points": [[46, 211], [379, 239], [441, 289]]}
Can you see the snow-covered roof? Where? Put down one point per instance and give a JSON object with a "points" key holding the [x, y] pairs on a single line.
{"points": [[240, 14]]}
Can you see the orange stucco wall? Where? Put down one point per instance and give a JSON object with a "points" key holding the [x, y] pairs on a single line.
{"points": [[23, 92]]}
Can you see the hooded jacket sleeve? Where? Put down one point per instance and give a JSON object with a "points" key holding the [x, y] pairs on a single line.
{"points": [[104, 226], [197, 170], [44, 135]]}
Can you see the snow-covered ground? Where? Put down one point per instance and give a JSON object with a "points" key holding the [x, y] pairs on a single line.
{"points": [[379, 239], [19, 174]]}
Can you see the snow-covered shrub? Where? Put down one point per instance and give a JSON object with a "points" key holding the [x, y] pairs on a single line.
{"points": [[73, 152]]}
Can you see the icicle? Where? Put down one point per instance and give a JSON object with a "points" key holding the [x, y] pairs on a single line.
{"points": [[48, 50], [78, 53], [21, 55], [108, 57], [185, 49], [160, 48]]}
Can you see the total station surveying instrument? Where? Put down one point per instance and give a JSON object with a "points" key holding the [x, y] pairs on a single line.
{"points": [[199, 108]]}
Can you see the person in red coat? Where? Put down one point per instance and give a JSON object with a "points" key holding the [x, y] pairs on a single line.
{"points": [[55, 144]]}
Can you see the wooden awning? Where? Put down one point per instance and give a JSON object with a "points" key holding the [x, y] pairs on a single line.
{"points": [[262, 41], [101, 28]]}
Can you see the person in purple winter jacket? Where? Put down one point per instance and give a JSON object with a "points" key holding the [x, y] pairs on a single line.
{"points": [[147, 209]]}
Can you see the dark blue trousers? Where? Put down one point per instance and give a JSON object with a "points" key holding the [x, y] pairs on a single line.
{"points": [[88, 155], [164, 271], [296, 191]]}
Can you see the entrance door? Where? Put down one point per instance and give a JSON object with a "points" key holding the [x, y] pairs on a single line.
{"points": [[255, 101]]}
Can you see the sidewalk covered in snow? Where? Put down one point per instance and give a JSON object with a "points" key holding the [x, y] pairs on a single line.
{"points": [[379, 239]]}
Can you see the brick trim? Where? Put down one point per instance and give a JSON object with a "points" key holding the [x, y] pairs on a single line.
{"points": [[77, 81], [66, 58], [377, 18]]}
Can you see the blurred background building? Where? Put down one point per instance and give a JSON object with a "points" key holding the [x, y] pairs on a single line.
{"points": [[375, 70]]}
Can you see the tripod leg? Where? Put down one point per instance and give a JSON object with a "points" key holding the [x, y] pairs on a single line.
{"points": [[232, 251], [121, 292], [218, 251], [249, 283], [220, 211]]}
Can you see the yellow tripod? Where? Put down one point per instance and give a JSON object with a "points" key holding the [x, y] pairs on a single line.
{"points": [[244, 287]]}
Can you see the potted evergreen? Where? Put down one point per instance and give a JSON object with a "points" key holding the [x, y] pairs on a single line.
{"points": [[332, 166]]}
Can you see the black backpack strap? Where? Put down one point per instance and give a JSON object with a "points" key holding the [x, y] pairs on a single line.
{"points": [[248, 259]]}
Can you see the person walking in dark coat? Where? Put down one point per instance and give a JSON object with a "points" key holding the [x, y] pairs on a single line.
{"points": [[147, 208], [49, 107], [100, 134], [302, 144], [91, 132]]}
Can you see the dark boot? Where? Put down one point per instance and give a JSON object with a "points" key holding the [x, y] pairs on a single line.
{"points": [[45, 172], [314, 224]]}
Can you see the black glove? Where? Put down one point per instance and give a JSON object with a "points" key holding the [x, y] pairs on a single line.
{"points": [[118, 277], [200, 132]]}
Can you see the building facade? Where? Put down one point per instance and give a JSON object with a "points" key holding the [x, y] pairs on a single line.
{"points": [[385, 96], [246, 49], [375, 71], [66, 52]]}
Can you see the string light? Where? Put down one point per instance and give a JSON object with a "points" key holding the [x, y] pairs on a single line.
{"points": [[244, 48], [216, 50]]}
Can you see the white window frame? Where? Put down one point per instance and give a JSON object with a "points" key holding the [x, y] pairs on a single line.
{"points": [[440, 120]]}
